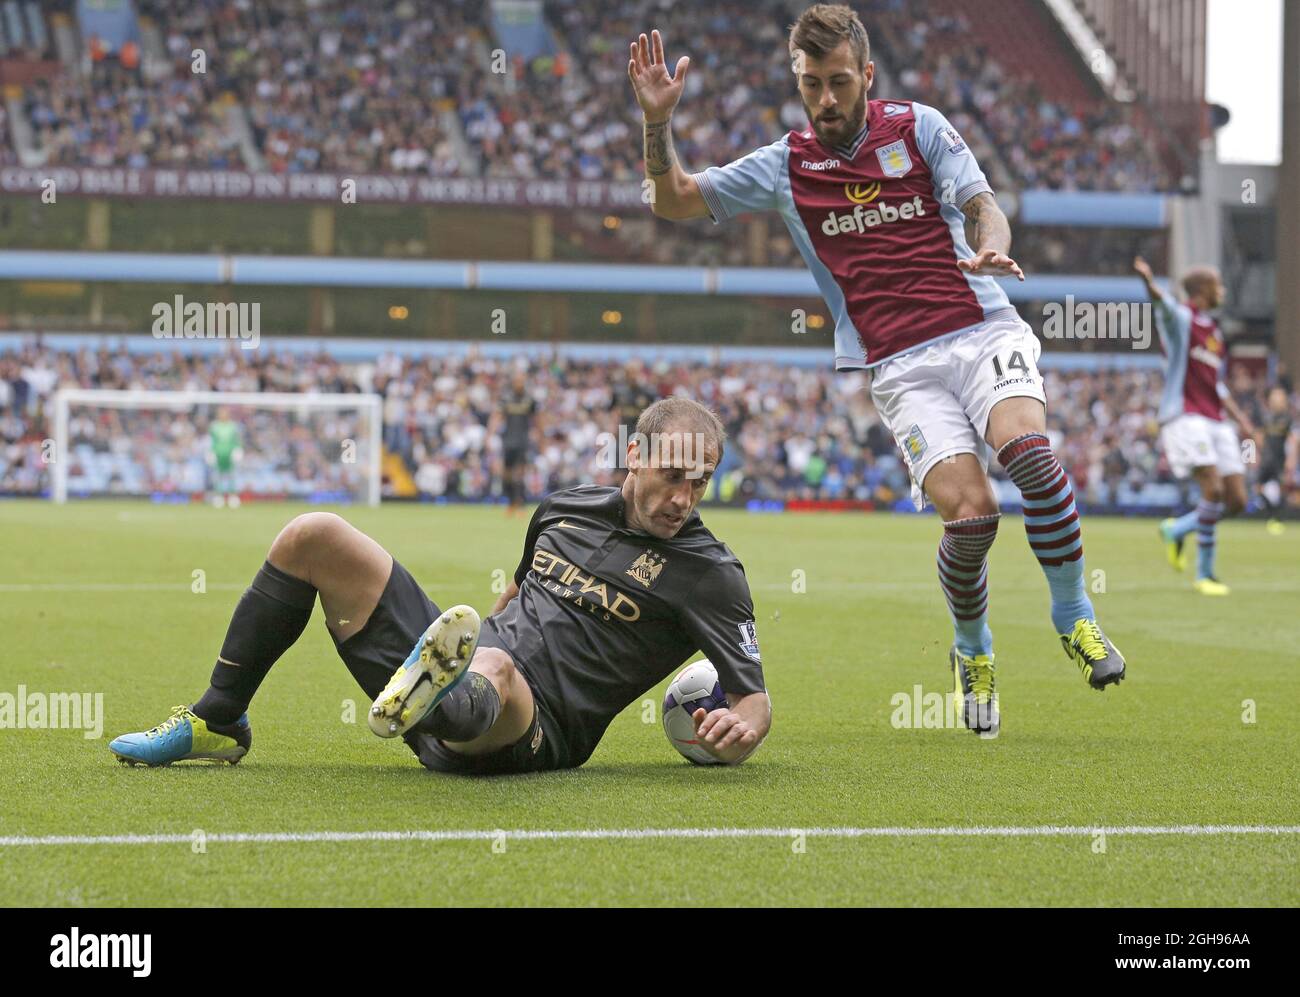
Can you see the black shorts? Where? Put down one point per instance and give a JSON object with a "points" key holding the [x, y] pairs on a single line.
{"points": [[514, 457], [539, 750], [382, 646]]}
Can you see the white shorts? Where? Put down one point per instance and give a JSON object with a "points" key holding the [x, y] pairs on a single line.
{"points": [[1191, 441], [936, 399]]}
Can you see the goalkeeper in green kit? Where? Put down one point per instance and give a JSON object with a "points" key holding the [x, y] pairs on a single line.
{"points": [[223, 454]]}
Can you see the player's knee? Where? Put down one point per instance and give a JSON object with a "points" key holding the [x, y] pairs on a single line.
{"points": [[498, 668], [1233, 505], [972, 507], [305, 534]]}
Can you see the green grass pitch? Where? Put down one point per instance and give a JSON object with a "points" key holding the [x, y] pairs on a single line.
{"points": [[98, 598]]}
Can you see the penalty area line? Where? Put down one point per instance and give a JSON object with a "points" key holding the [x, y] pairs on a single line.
{"points": [[642, 833]]}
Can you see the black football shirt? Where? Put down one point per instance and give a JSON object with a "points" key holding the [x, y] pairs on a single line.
{"points": [[605, 612], [519, 409]]}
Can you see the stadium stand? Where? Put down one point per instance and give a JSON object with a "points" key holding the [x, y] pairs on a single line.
{"points": [[339, 85], [797, 432]]}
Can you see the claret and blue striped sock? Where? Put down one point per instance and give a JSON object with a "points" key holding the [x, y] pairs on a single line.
{"points": [[1051, 524], [1208, 515], [963, 574]]}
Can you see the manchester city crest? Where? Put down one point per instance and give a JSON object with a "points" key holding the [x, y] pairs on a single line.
{"points": [[646, 567]]}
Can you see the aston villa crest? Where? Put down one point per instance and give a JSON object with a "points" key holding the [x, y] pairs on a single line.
{"points": [[895, 161], [647, 567]]}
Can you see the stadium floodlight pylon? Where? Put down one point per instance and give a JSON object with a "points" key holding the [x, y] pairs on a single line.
{"points": [[352, 462]]}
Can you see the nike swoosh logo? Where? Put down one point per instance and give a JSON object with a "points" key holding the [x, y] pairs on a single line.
{"points": [[232, 664], [565, 525]]}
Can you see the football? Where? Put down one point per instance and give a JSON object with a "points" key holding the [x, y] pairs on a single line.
{"points": [[695, 687]]}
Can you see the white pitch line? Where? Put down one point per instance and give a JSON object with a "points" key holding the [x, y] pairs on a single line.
{"points": [[116, 587], [640, 833]]}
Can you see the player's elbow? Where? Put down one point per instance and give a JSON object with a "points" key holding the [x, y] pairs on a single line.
{"points": [[669, 209], [677, 202]]}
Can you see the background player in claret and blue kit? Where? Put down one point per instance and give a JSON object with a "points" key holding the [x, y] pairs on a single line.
{"points": [[1196, 439], [616, 588], [884, 202]]}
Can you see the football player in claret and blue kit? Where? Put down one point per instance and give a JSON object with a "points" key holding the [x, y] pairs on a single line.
{"points": [[1198, 441], [901, 231]]}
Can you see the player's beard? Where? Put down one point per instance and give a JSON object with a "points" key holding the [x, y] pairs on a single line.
{"points": [[842, 130]]}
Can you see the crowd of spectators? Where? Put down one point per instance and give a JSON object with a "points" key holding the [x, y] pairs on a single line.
{"points": [[796, 432], [328, 85], [575, 120], [337, 85], [1045, 143], [114, 118], [361, 87]]}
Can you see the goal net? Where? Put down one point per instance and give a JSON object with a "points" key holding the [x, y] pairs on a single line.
{"points": [[188, 445]]}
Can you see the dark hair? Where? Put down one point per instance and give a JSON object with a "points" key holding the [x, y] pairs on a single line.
{"points": [[685, 413], [823, 27]]}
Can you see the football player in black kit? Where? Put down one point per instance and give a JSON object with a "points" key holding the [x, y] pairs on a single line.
{"points": [[1278, 461], [616, 588], [519, 408]]}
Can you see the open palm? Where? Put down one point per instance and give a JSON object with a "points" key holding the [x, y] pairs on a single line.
{"points": [[656, 91]]}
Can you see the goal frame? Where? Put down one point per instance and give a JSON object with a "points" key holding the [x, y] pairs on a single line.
{"points": [[65, 398]]}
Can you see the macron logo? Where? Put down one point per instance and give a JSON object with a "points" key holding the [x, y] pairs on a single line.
{"points": [[77, 951], [862, 217], [823, 164]]}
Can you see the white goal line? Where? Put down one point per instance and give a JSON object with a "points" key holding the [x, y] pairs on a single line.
{"points": [[641, 833]]}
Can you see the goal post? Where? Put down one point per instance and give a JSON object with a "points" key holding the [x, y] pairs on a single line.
{"points": [[295, 445]]}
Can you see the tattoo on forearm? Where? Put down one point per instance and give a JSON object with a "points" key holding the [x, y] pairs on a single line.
{"points": [[986, 225], [659, 154]]}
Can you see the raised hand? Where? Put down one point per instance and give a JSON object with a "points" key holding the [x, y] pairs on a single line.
{"points": [[656, 91]]}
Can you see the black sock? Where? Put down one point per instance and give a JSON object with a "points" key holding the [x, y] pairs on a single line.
{"points": [[469, 711], [271, 615]]}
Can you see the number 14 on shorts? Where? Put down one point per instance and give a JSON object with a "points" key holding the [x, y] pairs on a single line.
{"points": [[1014, 361]]}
